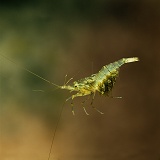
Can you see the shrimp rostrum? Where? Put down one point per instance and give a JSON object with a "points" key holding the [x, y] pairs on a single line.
{"points": [[102, 82]]}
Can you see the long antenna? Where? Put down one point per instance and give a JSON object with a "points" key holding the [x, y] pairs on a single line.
{"points": [[54, 133], [30, 71]]}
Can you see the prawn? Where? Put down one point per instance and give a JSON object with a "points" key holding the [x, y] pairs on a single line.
{"points": [[102, 82]]}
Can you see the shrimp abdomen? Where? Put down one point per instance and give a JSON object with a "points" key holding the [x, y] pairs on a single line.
{"points": [[106, 77]]}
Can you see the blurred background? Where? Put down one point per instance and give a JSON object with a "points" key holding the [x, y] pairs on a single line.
{"points": [[77, 37]]}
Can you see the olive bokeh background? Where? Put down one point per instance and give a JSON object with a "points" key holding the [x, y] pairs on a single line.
{"points": [[77, 37]]}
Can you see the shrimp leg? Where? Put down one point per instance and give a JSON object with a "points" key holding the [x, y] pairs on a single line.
{"points": [[78, 95], [93, 106], [111, 96], [84, 107]]}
